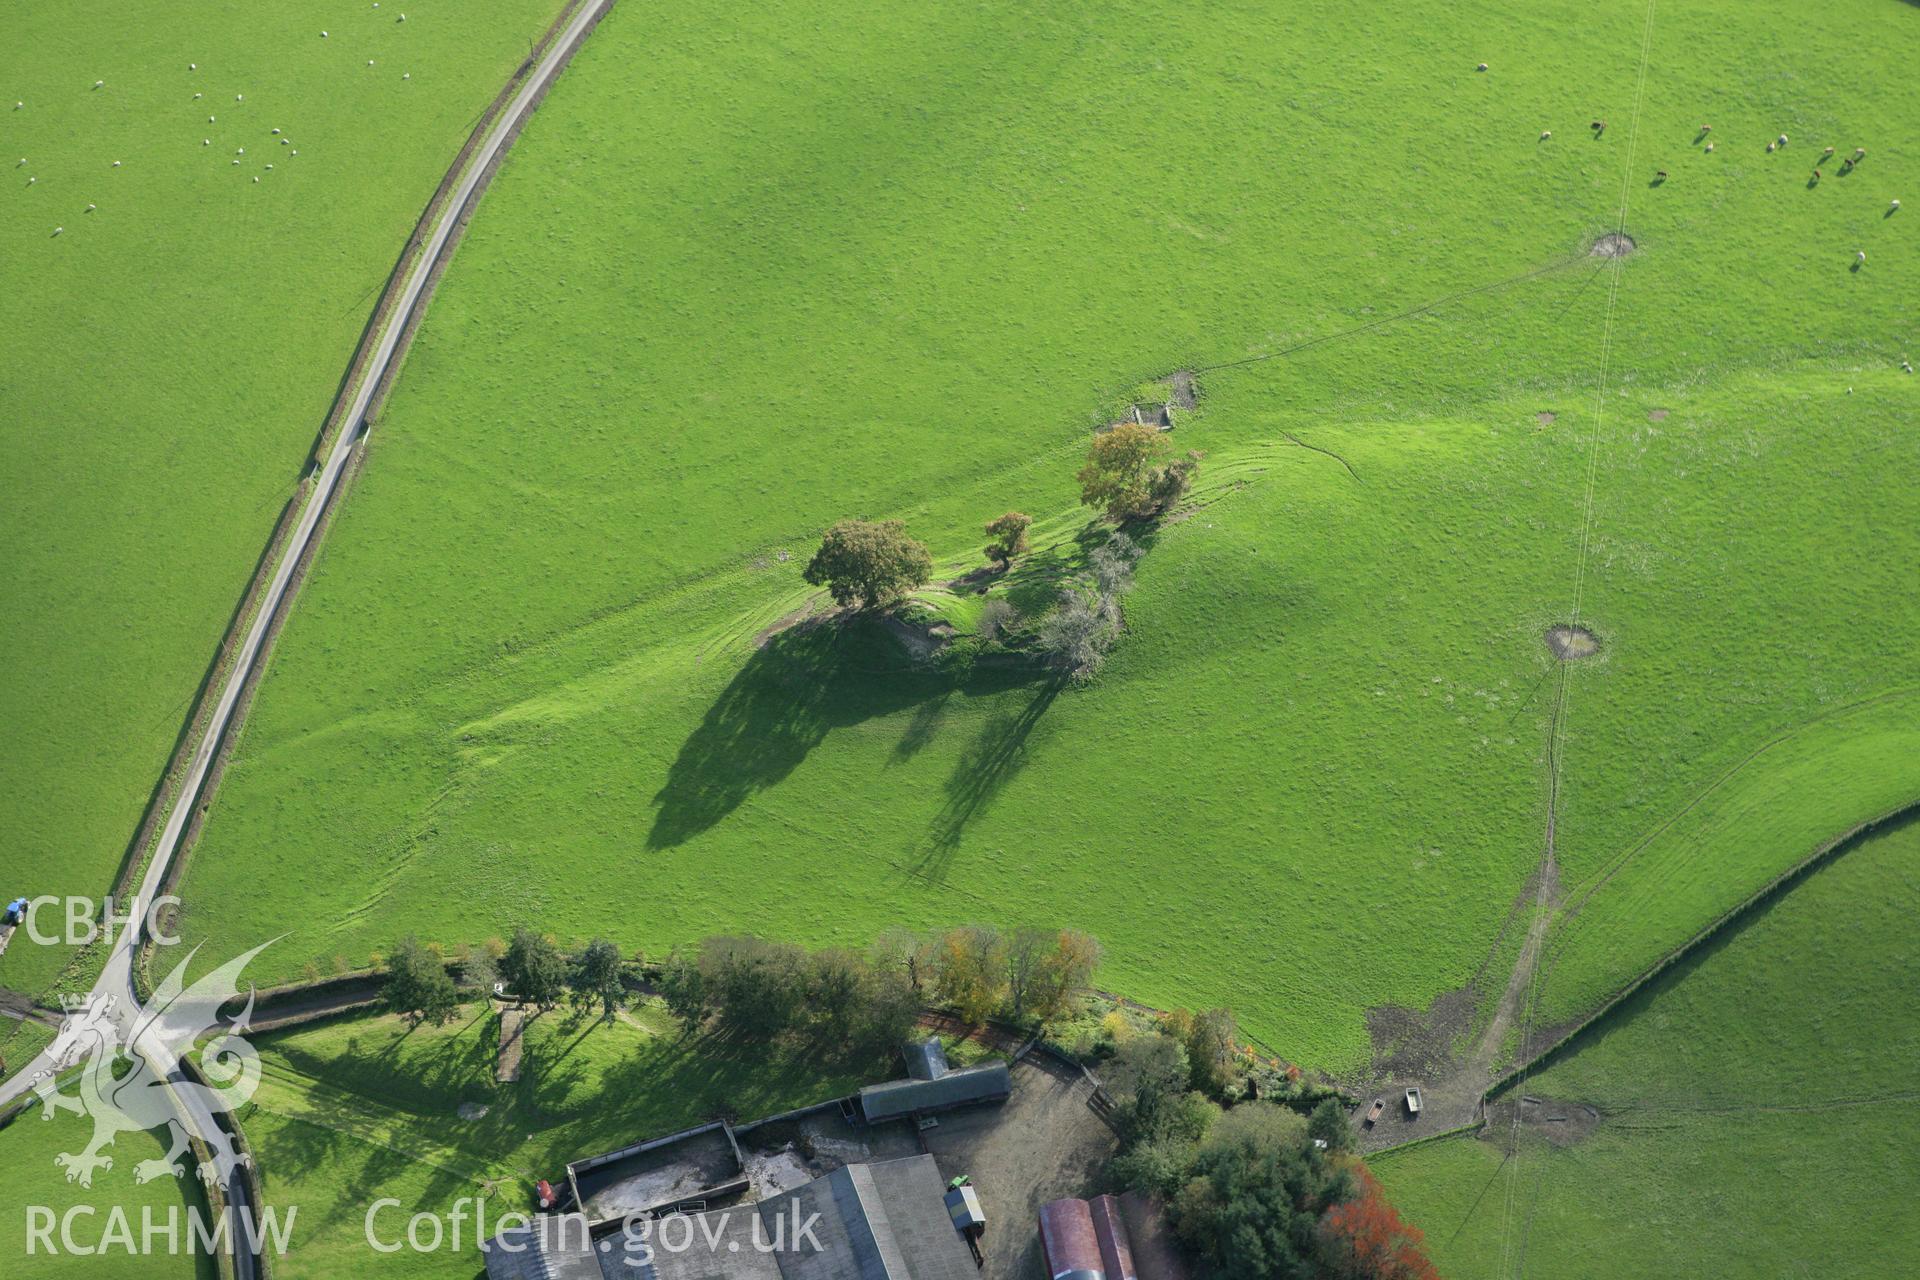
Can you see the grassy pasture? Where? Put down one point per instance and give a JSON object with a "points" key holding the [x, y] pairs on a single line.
{"points": [[822, 262], [171, 355], [28, 1176], [364, 1103], [1757, 1108]]}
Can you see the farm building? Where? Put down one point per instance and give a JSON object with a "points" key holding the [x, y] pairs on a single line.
{"points": [[988, 1082], [870, 1221], [1094, 1240]]}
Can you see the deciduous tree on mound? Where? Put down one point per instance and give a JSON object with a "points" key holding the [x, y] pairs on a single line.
{"points": [[1009, 534], [1126, 475], [869, 563]]}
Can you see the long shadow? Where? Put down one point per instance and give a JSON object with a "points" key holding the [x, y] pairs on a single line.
{"points": [[780, 706], [988, 763]]}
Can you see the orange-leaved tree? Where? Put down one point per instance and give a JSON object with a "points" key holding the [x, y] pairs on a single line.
{"points": [[1365, 1239]]}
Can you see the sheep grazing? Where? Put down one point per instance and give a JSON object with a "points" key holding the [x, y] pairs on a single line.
{"points": [[1816, 175], [323, 35], [1861, 256], [58, 230], [210, 120], [1481, 67], [1826, 153], [116, 164], [1545, 134], [239, 97], [1706, 129], [31, 181], [1770, 147], [240, 151], [92, 207], [1783, 140], [18, 105], [1598, 125], [206, 142], [406, 75], [196, 97], [99, 84], [283, 142], [256, 177], [276, 130], [1859, 153], [193, 66], [1709, 146], [269, 166], [1895, 205]]}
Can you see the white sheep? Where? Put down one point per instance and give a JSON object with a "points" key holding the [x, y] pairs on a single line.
{"points": [[1545, 134], [1783, 139], [369, 61], [193, 66], [206, 142], [196, 97], [31, 181], [116, 164], [1860, 256], [99, 84], [239, 97], [58, 230], [296, 151], [276, 130], [1896, 204], [1709, 146], [92, 207], [323, 35], [406, 75], [240, 151], [1481, 67], [256, 177]]}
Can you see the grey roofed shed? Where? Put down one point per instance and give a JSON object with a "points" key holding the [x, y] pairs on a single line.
{"points": [[554, 1247], [988, 1082], [880, 1221], [926, 1059]]}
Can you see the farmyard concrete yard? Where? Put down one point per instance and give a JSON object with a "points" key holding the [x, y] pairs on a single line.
{"points": [[1537, 605]]}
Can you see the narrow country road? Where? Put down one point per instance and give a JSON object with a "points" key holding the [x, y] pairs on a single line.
{"points": [[115, 990]]}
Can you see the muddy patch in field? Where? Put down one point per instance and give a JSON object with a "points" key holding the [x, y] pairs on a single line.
{"points": [[1411, 1043], [1559, 1122], [1185, 393], [1545, 417], [1657, 415], [1570, 644], [472, 1110], [1613, 245]]}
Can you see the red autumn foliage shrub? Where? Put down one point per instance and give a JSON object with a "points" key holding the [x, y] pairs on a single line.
{"points": [[1364, 1238]]}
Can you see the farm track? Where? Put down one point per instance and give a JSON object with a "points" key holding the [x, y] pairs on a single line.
{"points": [[119, 979]]}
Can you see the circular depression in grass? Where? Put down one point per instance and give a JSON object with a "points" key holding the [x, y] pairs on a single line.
{"points": [[1570, 643], [1613, 245]]}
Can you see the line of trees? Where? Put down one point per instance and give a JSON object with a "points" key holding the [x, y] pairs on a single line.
{"points": [[870, 1000], [531, 965]]}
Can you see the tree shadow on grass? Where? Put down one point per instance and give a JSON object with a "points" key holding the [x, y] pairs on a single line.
{"points": [[791, 693], [989, 762], [780, 706]]}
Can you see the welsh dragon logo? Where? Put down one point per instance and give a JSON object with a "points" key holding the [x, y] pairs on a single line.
{"points": [[132, 1062]]}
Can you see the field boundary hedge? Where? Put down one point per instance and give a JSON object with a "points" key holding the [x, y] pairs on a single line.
{"points": [[1778, 887]]}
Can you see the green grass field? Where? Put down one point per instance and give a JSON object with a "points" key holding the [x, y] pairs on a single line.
{"points": [[819, 263], [20, 1041], [172, 354], [1757, 1109], [29, 1177], [356, 1104]]}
